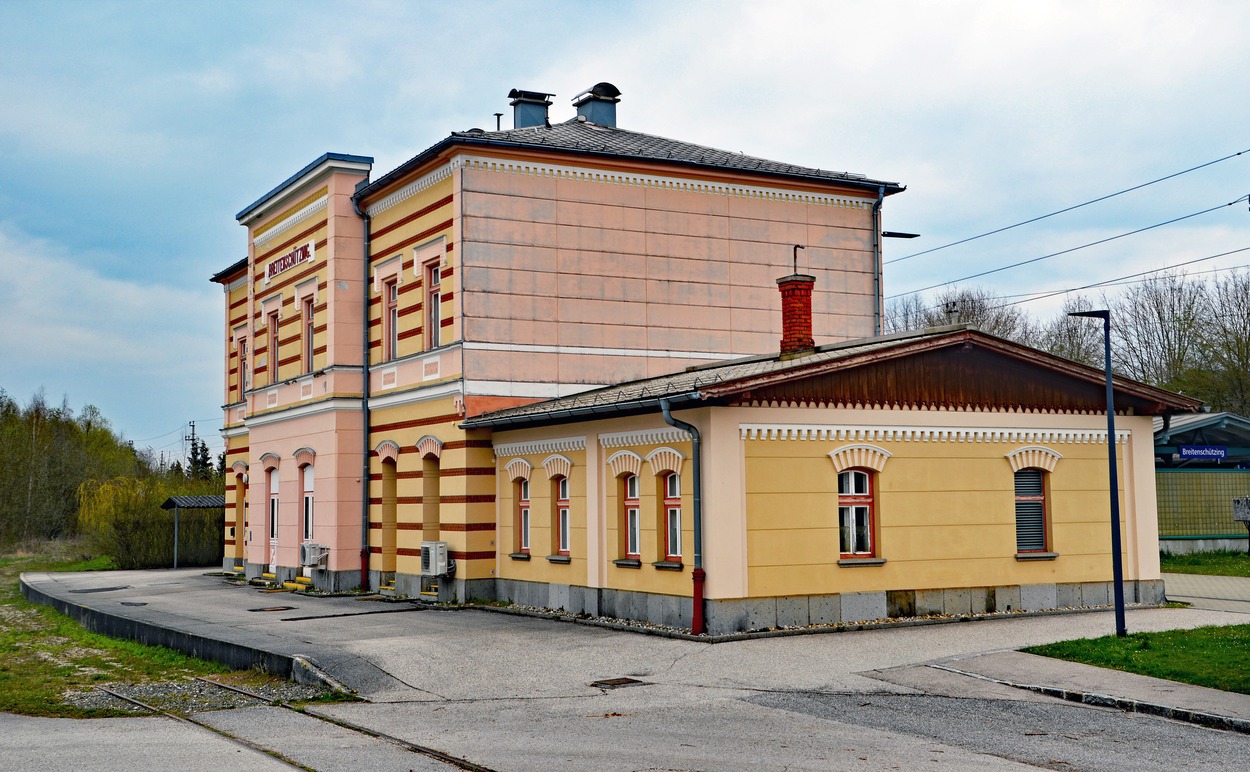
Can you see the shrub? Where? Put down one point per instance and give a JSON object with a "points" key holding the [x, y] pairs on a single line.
{"points": [[122, 518]]}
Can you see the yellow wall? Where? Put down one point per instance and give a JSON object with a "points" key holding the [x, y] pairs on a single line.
{"points": [[542, 534]]}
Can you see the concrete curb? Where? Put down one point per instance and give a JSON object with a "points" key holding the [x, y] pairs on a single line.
{"points": [[294, 667], [1209, 720]]}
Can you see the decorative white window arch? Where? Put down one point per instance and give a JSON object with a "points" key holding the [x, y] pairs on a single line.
{"points": [[1033, 457], [861, 456], [429, 445], [665, 460], [388, 450], [624, 461], [557, 466], [519, 469]]}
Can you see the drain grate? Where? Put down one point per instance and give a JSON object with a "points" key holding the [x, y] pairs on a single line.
{"points": [[616, 683], [274, 608], [133, 603], [103, 589]]}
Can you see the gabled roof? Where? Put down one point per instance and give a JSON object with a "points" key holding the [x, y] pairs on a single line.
{"points": [[956, 366], [354, 161], [609, 142]]}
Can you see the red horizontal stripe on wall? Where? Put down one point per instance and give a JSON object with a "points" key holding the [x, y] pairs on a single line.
{"points": [[375, 550], [438, 419], [229, 542], [439, 204], [485, 555], [449, 321], [297, 238], [422, 236], [413, 333], [414, 552], [464, 527]]}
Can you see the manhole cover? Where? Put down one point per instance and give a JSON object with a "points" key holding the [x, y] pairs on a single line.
{"points": [[103, 589], [616, 683], [273, 608], [133, 603]]}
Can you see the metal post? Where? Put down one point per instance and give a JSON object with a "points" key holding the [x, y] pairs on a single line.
{"points": [[1117, 567], [176, 537]]}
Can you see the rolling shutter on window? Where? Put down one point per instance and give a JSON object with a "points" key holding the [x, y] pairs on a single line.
{"points": [[1030, 511]]}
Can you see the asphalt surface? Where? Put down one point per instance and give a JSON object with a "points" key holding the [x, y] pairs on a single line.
{"points": [[509, 692]]}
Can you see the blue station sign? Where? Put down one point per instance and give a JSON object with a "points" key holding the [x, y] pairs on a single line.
{"points": [[1207, 452]]}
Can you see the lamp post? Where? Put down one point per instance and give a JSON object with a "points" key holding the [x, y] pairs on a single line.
{"points": [[1117, 567]]}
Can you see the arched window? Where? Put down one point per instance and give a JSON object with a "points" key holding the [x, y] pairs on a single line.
{"points": [[631, 520], [672, 517], [561, 523], [855, 513], [308, 478], [273, 504], [1031, 510], [523, 516]]}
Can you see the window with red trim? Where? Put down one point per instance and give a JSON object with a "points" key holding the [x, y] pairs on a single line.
{"points": [[273, 504], [307, 483], [672, 517], [562, 516], [306, 314], [273, 347], [390, 320], [632, 522], [433, 305], [523, 516], [856, 510], [1031, 510]]}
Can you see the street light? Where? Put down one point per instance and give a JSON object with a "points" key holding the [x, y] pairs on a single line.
{"points": [[1117, 568]]}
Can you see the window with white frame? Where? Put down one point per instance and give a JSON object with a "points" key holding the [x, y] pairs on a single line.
{"points": [[632, 520], [562, 516], [1031, 510], [273, 504], [523, 516], [433, 305], [272, 326], [390, 320], [309, 326], [855, 513], [672, 517], [308, 486]]}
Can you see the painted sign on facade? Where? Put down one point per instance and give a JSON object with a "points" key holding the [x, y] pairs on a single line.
{"points": [[297, 256]]}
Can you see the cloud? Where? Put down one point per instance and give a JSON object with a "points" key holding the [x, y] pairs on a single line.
{"points": [[122, 345]]}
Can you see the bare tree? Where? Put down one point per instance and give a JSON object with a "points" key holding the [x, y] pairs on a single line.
{"points": [[962, 306], [1157, 330], [1225, 378], [1077, 339]]}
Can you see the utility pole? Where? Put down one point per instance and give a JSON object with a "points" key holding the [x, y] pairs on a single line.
{"points": [[190, 437]]}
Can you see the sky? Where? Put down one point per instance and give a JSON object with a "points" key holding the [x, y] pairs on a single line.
{"points": [[131, 133]]}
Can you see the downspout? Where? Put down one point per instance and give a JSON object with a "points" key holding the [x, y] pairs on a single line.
{"points": [[364, 407], [876, 259], [696, 614]]}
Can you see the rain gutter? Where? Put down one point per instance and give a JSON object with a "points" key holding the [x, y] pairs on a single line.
{"points": [[698, 575], [364, 402]]}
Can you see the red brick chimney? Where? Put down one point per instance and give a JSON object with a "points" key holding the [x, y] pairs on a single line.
{"points": [[796, 314]]}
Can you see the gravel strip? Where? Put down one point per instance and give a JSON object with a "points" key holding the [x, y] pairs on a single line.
{"points": [[188, 696]]}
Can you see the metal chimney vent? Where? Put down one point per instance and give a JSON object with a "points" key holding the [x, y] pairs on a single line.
{"points": [[597, 104], [529, 108]]}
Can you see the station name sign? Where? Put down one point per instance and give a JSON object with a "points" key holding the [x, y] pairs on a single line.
{"points": [[297, 256], [1203, 451]]}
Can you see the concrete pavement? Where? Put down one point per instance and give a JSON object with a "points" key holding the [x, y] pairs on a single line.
{"points": [[513, 692], [1221, 593]]}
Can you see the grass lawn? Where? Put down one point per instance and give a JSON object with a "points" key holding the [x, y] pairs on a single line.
{"points": [[44, 654], [1205, 656], [1211, 563]]}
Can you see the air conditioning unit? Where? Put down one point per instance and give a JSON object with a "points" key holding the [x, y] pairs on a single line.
{"points": [[433, 558], [312, 554]]}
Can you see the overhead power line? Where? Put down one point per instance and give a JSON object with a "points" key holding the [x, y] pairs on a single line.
{"points": [[1067, 209], [1123, 281], [1066, 251], [1122, 278]]}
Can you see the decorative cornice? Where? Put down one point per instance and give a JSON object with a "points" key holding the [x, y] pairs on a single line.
{"points": [[533, 447], [387, 450], [543, 348], [295, 219], [1035, 457], [337, 404], [414, 187], [429, 445], [583, 174], [658, 436], [927, 434]]}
